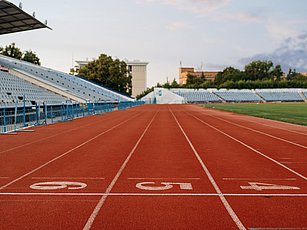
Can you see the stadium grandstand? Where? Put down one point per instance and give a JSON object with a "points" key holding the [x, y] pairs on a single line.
{"points": [[34, 95], [165, 96], [66, 85]]}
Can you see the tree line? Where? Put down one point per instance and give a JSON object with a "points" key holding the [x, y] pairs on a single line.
{"points": [[256, 75], [109, 72], [15, 52]]}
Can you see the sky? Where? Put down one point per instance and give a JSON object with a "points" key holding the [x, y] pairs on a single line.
{"points": [[209, 35]]}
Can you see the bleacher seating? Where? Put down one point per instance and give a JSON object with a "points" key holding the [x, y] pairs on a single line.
{"points": [[13, 89], [286, 95], [244, 95], [238, 95], [195, 96], [69, 83]]}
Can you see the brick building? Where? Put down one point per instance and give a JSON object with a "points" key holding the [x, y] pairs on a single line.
{"points": [[185, 71]]}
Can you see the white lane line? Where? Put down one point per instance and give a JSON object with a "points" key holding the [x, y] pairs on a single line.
{"points": [[155, 194], [25, 130], [68, 178], [277, 127], [9, 133], [229, 209], [259, 179], [263, 133], [251, 148], [270, 120], [160, 178], [99, 205], [64, 154]]}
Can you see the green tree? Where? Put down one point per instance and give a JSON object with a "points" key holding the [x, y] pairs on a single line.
{"points": [[207, 84], [277, 73], [291, 74], [144, 93], [228, 74], [259, 70], [12, 51], [73, 71], [175, 84], [15, 52], [108, 72], [30, 56], [294, 76], [195, 81], [166, 85]]}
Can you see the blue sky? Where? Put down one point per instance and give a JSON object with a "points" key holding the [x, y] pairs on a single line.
{"points": [[207, 34]]}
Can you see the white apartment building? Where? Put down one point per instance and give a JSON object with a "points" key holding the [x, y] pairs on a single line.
{"points": [[138, 70]]}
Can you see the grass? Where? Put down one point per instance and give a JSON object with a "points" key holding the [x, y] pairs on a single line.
{"points": [[295, 113]]}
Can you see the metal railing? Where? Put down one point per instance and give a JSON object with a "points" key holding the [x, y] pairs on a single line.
{"points": [[16, 118]]}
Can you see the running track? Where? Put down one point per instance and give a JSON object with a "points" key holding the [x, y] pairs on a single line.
{"points": [[156, 167]]}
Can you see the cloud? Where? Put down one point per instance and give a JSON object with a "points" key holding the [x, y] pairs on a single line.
{"points": [[193, 6], [282, 29], [210, 7], [292, 53], [176, 25], [246, 17], [215, 67]]}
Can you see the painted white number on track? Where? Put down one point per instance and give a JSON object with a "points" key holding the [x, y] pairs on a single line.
{"points": [[54, 185], [165, 186], [262, 186]]}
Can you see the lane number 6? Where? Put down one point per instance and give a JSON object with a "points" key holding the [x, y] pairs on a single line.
{"points": [[55, 185]]}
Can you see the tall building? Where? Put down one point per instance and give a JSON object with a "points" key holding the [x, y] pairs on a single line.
{"points": [[185, 71], [138, 70]]}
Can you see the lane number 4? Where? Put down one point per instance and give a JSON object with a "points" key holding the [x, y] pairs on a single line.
{"points": [[263, 186]]}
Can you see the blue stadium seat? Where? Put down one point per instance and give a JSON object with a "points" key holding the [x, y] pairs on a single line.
{"points": [[13, 89], [244, 95], [70, 84], [286, 95]]}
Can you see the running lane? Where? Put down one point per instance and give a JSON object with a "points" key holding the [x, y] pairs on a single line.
{"points": [[275, 129], [51, 141], [262, 193], [289, 150], [9, 142], [62, 193], [162, 186]]}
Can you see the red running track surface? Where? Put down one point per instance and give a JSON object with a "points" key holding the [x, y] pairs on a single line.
{"points": [[156, 167]]}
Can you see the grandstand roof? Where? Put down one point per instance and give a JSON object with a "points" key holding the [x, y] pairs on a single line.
{"points": [[13, 19]]}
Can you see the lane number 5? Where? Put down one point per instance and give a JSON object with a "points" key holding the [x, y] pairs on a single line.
{"points": [[164, 186]]}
